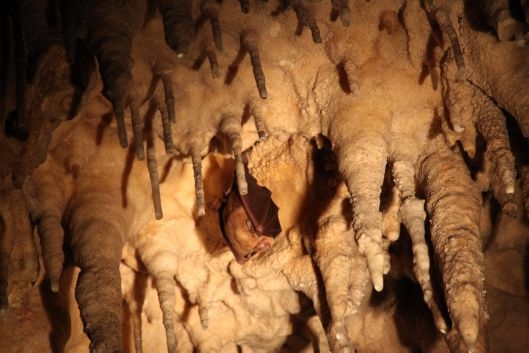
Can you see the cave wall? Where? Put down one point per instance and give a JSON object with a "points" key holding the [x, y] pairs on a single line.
{"points": [[391, 135]]}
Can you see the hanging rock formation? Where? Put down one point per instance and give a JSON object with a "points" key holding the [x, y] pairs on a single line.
{"points": [[383, 130]]}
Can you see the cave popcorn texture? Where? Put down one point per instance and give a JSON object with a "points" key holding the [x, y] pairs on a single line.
{"points": [[363, 116]]}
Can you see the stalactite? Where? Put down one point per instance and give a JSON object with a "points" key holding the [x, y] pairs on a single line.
{"points": [[307, 19], [453, 204], [491, 124], [137, 130], [112, 49], [255, 110], [212, 58], [499, 17], [342, 7], [167, 130], [471, 112], [231, 127], [199, 187], [245, 6], [249, 41], [352, 80], [413, 215], [203, 314], [178, 24], [23, 258], [333, 243], [525, 8], [134, 286], [44, 114], [388, 21], [152, 166], [525, 188], [440, 13], [71, 17], [15, 10], [368, 148], [211, 10], [458, 97], [167, 82], [166, 293], [389, 206], [97, 226], [495, 80], [344, 273], [51, 234], [7, 235]]}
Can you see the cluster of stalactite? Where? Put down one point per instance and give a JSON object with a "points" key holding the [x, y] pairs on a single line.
{"points": [[355, 84]]}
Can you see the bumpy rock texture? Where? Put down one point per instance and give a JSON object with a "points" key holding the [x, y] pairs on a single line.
{"points": [[391, 134]]}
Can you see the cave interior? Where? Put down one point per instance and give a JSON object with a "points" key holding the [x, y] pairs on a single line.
{"points": [[264, 176]]}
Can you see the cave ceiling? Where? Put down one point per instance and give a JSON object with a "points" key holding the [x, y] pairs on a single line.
{"points": [[265, 176]]}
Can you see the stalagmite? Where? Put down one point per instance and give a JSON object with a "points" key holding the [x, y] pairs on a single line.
{"points": [[155, 182], [453, 204], [178, 24], [249, 41]]}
